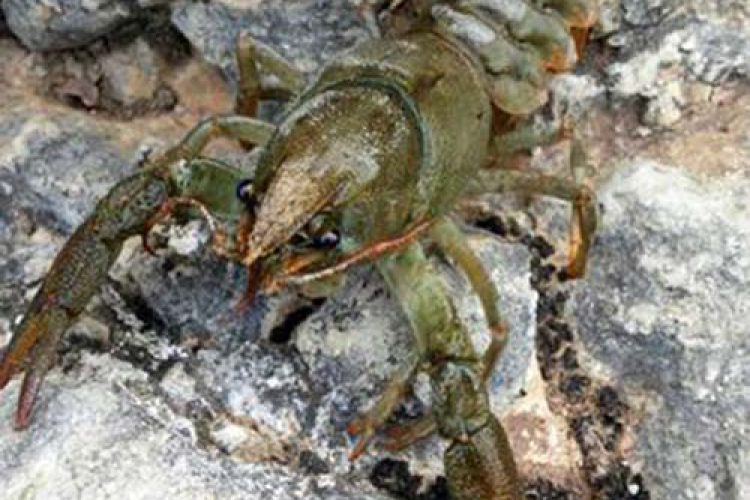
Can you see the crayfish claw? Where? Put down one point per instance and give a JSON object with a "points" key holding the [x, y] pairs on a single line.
{"points": [[164, 211], [73, 278], [32, 381], [29, 332], [42, 358], [34, 345]]}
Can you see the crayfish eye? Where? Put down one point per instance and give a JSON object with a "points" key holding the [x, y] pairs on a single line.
{"points": [[323, 232], [244, 192], [329, 239]]}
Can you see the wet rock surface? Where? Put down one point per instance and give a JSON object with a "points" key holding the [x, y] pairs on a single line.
{"points": [[629, 384]]}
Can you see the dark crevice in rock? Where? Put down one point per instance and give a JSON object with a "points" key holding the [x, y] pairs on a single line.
{"points": [[542, 489], [505, 228], [596, 413], [597, 57], [282, 333], [139, 306], [121, 74], [495, 225], [310, 463], [140, 356], [394, 477], [4, 30], [538, 246], [620, 483], [71, 348], [140, 345]]}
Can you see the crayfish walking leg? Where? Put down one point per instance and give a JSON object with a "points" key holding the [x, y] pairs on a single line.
{"points": [[584, 214], [479, 462], [452, 242]]}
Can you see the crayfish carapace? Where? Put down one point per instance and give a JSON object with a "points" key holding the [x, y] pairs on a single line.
{"points": [[369, 159]]}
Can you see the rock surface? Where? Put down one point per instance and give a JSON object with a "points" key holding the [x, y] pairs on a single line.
{"points": [[672, 52], [307, 33], [630, 383], [65, 24], [664, 312], [104, 434]]}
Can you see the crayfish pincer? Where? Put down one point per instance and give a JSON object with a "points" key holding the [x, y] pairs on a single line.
{"points": [[369, 159]]}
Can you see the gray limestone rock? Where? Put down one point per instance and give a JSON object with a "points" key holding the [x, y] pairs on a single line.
{"points": [[664, 45], [664, 314], [104, 433], [132, 75], [307, 33], [64, 24]]}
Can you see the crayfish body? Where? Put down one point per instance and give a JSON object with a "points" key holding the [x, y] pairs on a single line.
{"points": [[368, 160]]}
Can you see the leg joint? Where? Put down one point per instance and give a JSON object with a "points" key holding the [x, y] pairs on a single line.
{"points": [[460, 401]]}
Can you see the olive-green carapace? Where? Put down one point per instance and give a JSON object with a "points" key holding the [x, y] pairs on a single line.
{"points": [[368, 160]]}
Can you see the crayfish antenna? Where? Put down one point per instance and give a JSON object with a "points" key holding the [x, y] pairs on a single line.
{"points": [[254, 273], [369, 253]]}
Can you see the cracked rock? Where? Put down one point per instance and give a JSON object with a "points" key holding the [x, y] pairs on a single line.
{"points": [[102, 435]]}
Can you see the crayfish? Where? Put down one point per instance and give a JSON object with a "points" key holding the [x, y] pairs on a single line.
{"points": [[368, 160]]}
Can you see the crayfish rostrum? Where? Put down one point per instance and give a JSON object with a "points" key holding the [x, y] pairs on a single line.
{"points": [[369, 159]]}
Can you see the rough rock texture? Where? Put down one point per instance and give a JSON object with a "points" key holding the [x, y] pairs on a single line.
{"points": [[64, 24], [672, 52], [126, 73], [105, 435], [664, 312], [630, 383], [307, 33], [132, 75]]}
